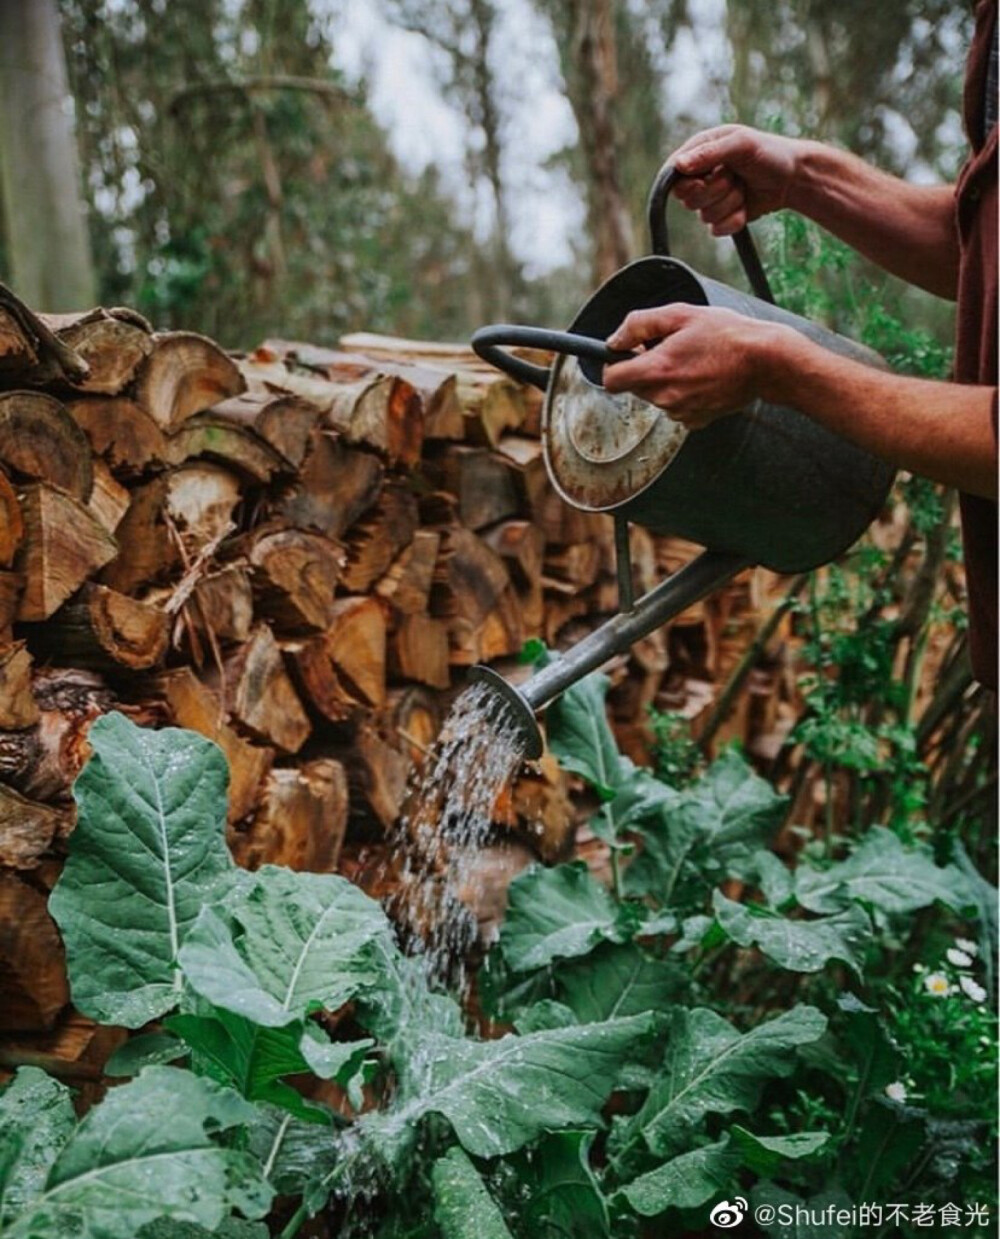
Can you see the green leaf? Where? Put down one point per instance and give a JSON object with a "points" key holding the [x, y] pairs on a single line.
{"points": [[766, 1154], [555, 914], [299, 1158], [560, 1194], [498, 1095], [617, 980], [868, 1042], [684, 1182], [579, 735], [146, 1050], [403, 999], [799, 945], [545, 1014], [884, 873], [711, 1068], [231, 1228], [889, 1140], [640, 795], [36, 1120], [463, 1208], [148, 1151], [777, 881], [292, 943], [797, 1217], [147, 853]]}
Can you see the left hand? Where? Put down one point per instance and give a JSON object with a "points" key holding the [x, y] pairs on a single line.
{"points": [[707, 362]]}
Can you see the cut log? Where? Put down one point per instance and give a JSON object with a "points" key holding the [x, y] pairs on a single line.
{"points": [[39, 441], [469, 578], [223, 604], [491, 405], [101, 629], [11, 524], [407, 584], [122, 432], [261, 698], [383, 412], [183, 375], [411, 720], [64, 545], [237, 447], [377, 776], [336, 485], [418, 650], [374, 542], [285, 422], [18, 355], [485, 483], [575, 566], [193, 705], [294, 577], [32, 963], [113, 344], [300, 822], [317, 680], [527, 459], [18, 707], [109, 500], [344, 668], [27, 829], [521, 546], [500, 633]]}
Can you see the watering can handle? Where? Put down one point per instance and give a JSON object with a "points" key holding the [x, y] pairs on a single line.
{"points": [[666, 179], [490, 343]]}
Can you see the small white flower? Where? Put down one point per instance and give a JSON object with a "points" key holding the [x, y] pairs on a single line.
{"points": [[972, 989], [937, 984], [958, 958], [970, 948], [896, 1091]]}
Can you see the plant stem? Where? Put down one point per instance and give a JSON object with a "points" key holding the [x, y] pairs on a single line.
{"points": [[294, 1222]]}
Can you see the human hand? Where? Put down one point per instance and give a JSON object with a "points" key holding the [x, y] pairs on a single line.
{"points": [[733, 174], [705, 362]]}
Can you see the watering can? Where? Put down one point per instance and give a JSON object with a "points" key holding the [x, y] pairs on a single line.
{"points": [[764, 485]]}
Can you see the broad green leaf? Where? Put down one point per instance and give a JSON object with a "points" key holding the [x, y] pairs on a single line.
{"points": [[766, 1154], [403, 999], [684, 1182], [799, 945], [869, 1044], [984, 896], [579, 735], [148, 1151], [884, 872], [639, 796], [463, 1208], [890, 1138], [776, 880], [298, 1158], [332, 1060], [797, 1217], [561, 1197], [291, 943], [617, 980], [147, 853], [231, 1228], [498, 1095], [545, 1014], [36, 1120], [147, 1050], [711, 1068], [555, 914], [504, 994]]}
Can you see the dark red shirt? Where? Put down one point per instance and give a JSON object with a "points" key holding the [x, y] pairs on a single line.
{"points": [[976, 209]]}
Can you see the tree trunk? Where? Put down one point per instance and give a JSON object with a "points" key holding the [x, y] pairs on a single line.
{"points": [[39, 167]]}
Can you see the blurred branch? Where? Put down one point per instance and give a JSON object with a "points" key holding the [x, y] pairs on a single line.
{"points": [[253, 85]]}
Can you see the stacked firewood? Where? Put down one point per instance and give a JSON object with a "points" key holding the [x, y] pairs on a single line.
{"points": [[298, 553]]}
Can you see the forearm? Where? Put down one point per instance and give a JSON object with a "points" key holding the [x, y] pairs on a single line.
{"points": [[943, 431], [906, 229]]}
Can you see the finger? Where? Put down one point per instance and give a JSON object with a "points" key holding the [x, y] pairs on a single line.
{"points": [[698, 140], [731, 224], [727, 148], [641, 376], [723, 207], [712, 189], [653, 324]]}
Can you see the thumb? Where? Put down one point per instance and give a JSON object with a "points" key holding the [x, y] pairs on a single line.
{"points": [[727, 150], [649, 326]]}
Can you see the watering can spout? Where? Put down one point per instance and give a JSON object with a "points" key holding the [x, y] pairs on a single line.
{"points": [[519, 704]]}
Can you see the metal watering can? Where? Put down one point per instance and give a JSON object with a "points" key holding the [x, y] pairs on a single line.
{"points": [[765, 485]]}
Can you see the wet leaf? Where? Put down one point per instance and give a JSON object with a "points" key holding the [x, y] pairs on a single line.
{"points": [[579, 735], [463, 1208], [793, 943], [555, 914], [684, 1182], [562, 1196], [36, 1120]]}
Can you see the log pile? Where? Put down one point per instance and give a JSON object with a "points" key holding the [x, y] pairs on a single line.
{"points": [[298, 553]]}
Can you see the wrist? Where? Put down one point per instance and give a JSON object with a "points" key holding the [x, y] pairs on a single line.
{"points": [[774, 361], [810, 165]]}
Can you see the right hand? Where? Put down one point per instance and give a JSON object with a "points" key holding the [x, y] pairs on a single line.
{"points": [[734, 174]]}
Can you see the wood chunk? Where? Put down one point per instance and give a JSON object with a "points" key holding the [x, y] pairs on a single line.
{"points": [[375, 541], [521, 546], [122, 432], [469, 578], [491, 404], [17, 350], [32, 962], [193, 705], [335, 486], [11, 587], [383, 412], [63, 546], [576, 565], [418, 650], [500, 633], [200, 500], [377, 776], [18, 707], [317, 680], [147, 553], [411, 720], [284, 421], [113, 345], [224, 604], [407, 584], [27, 829], [485, 483], [11, 524], [528, 460], [344, 668], [261, 698], [294, 577], [183, 375], [39, 441], [102, 629], [300, 822], [236, 447], [109, 501]]}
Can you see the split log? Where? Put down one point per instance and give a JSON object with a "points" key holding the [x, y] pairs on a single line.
{"points": [[468, 579], [300, 822], [407, 583], [485, 484], [113, 344], [122, 432], [11, 524], [411, 720], [17, 351], [383, 412], [374, 542], [64, 545], [32, 963], [18, 707], [317, 681], [575, 566], [521, 546], [40, 442], [344, 668], [192, 704], [294, 577], [419, 650], [261, 698], [285, 421], [491, 404], [236, 447], [27, 829], [101, 629], [335, 486], [185, 374], [377, 775], [223, 604], [109, 500]]}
